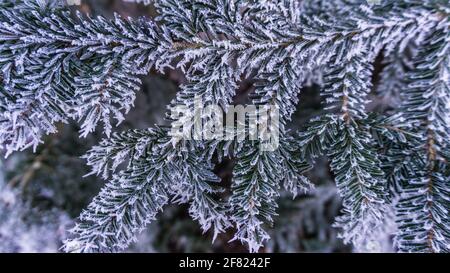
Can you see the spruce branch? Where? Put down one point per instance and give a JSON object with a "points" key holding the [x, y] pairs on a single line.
{"points": [[58, 65], [423, 206]]}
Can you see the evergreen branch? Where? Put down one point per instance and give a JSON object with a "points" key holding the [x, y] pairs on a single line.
{"points": [[255, 190], [361, 183], [423, 207], [156, 172]]}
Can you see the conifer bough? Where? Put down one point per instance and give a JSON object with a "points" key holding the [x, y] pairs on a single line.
{"points": [[390, 166]]}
